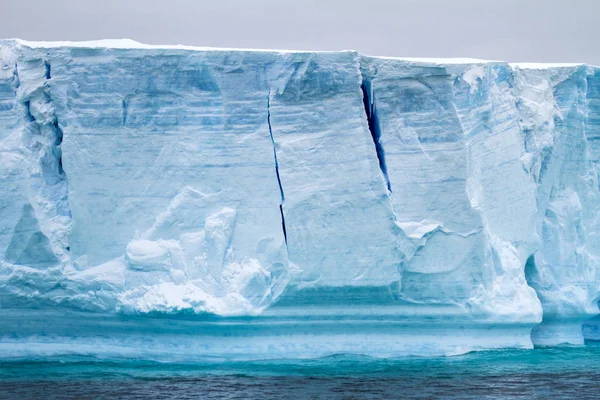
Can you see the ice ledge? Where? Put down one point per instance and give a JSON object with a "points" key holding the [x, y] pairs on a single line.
{"points": [[60, 332], [132, 44]]}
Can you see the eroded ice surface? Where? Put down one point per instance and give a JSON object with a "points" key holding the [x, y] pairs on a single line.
{"points": [[172, 201]]}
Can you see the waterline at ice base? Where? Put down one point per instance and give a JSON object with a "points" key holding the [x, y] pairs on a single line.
{"points": [[180, 203]]}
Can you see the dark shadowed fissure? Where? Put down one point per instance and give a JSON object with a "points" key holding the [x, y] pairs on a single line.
{"points": [[124, 105], [531, 274], [374, 127], [16, 80], [530, 271], [276, 168], [48, 70]]}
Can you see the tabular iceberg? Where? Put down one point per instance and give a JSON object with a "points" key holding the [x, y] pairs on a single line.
{"points": [[176, 202]]}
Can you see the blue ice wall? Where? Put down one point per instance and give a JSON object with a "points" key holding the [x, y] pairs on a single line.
{"points": [[170, 201]]}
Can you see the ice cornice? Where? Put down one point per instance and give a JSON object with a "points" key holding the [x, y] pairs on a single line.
{"points": [[527, 65], [129, 44]]}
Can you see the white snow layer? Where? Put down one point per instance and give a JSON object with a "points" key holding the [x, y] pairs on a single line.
{"points": [[450, 205]]}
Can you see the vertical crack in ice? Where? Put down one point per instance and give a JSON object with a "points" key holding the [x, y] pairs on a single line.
{"points": [[283, 223], [374, 128], [16, 80], [276, 167], [124, 111], [404, 245], [48, 69]]}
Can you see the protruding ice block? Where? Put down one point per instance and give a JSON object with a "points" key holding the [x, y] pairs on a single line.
{"points": [[449, 133], [339, 220]]}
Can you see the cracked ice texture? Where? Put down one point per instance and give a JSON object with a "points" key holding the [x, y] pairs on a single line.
{"points": [[452, 195]]}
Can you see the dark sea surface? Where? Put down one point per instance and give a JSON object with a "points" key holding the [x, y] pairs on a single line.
{"points": [[547, 373]]}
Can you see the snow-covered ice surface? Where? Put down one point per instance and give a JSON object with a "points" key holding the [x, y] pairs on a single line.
{"points": [[181, 203]]}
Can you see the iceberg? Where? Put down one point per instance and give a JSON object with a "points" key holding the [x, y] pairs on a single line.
{"points": [[174, 202]]}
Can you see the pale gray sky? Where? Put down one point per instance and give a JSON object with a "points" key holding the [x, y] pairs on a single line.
{"points": [[510, 30]]}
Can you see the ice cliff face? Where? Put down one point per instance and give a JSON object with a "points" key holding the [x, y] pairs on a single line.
{"points": [[253, 203]]}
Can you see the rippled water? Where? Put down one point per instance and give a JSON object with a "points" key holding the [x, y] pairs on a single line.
{"points": [[566, 372]]}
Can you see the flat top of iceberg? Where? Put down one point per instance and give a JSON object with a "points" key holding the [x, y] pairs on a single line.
{"points": [[132, 44]]}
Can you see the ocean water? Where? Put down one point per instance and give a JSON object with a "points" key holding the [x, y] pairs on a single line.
{"points": [[545, 373]]}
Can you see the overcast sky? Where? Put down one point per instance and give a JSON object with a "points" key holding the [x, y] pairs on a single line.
{"points": [[510, 30]]}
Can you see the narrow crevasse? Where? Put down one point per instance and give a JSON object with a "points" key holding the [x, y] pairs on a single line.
{"points": [[276, 167], [405, 245], [374, 128], [47, 70]]}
